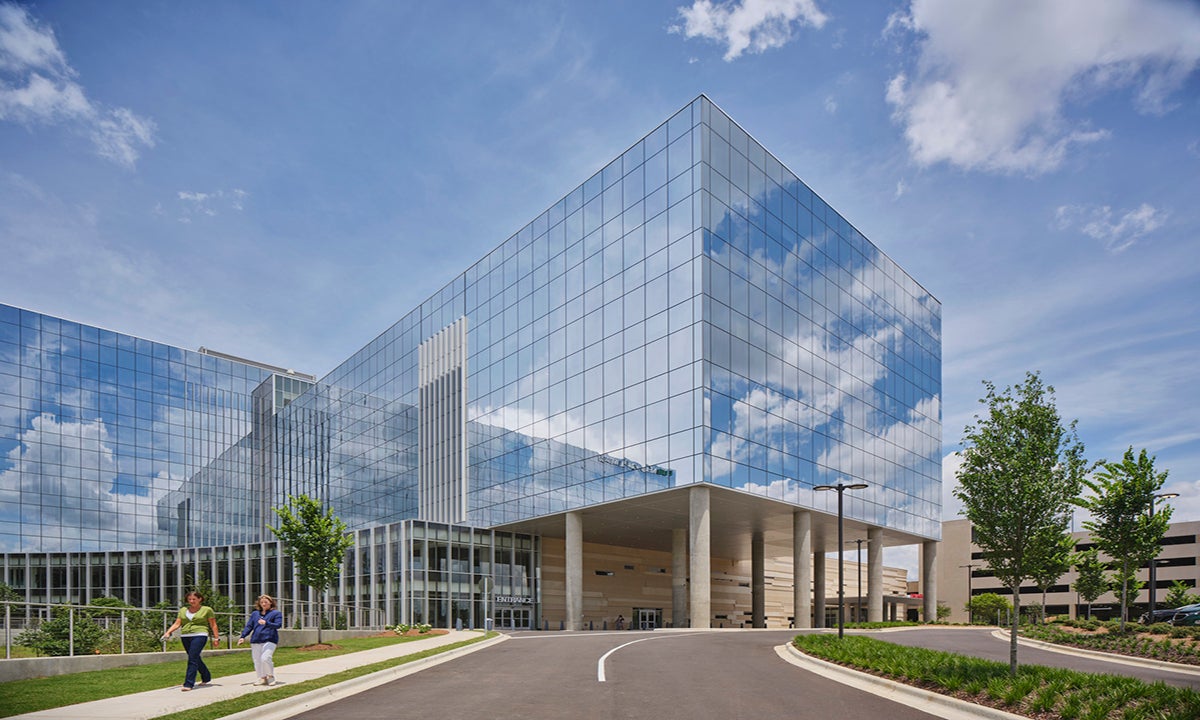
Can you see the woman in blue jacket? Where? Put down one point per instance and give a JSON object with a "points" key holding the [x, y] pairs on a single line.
{"points": [[263, 629]]}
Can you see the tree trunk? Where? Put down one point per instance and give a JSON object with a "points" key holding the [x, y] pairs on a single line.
{"points": [[320, 614], [1043, 606], [1012, 638], [1124, 596]]}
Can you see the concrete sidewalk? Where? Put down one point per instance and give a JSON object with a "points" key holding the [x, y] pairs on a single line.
{"points": [[156, 703]]}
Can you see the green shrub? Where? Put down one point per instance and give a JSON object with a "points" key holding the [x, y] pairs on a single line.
{"points": [[54, 636], [985, 607]]}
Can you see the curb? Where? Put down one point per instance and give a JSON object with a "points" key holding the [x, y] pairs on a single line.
{"points": [[1099, 655], [287, 707], [926, 701]]}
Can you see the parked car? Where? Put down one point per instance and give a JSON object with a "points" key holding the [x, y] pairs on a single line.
{"points": [[1159, 616], [1186, 615]]}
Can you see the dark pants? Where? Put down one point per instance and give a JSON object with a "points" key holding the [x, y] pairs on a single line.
{"points": [[194, 645]]}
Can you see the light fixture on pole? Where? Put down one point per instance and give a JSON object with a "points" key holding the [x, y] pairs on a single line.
{"points": [[1154, 560], [970, 609], [841, 488]]}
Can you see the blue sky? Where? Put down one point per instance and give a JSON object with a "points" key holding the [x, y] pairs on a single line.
{"points": [[282, 181]]}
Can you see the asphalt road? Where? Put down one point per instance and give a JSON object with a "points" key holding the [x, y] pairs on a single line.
{"points": [[539, 676], [981, 643]]}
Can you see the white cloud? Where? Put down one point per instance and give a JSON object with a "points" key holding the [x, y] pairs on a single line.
{"points": [[901, 188], [1098, 224], [38, 86], [110, 507], [120, 135], [748, 25], [24, 45], [951, 506], [993, 78], [831, 105], [195, 203]]}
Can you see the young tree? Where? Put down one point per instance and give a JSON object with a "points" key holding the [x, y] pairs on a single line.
{"points": [[1048, 569], [317, 542], [1090, 580], [11, 599], [1021, 470], [1122, 525], [987, 607], [1179, 595]]}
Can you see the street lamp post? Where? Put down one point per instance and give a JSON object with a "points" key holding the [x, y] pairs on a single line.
{"points": [[858, 560], [1154, 560], [970, 609], [841, 488]]}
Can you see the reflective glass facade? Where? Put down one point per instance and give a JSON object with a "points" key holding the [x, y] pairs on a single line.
{"points": [[691, 313], [96, 428]]}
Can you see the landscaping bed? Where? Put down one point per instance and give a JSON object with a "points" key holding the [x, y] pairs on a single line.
{"points": [[1155, 642], [1036, 692]]}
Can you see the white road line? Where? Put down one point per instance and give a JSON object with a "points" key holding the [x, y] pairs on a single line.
{"points": [[600, 663]]}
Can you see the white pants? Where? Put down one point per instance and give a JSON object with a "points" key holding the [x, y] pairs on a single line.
{"points": [[264, 658]]}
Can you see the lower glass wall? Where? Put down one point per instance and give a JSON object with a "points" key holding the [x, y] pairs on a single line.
{"points": [[460, 576], [406, 572]]}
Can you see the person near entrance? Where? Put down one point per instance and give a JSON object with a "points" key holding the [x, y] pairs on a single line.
{"points": [[620, 625], [193, 621], [263, 629]]}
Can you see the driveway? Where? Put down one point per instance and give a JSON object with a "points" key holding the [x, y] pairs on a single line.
{"points": [[538, 676]]}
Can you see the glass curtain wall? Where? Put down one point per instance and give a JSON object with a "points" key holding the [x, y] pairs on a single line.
{"points": [[97, 428], [692, 312]]}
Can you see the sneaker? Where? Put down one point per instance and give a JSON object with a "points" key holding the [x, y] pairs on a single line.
{"points": [[185, 688]]}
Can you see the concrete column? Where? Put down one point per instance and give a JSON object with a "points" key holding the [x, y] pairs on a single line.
{"points": [[802, 569], [929, 579], [679, 580], [574, 568], [818, 585], [874, 574], [758, 581], [699, 590]]}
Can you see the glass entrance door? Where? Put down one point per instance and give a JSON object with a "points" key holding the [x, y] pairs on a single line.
{"points": [[508, 618], [647, 618]]}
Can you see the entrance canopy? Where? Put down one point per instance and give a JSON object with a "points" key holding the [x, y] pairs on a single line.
{"points": [[646, 522]]}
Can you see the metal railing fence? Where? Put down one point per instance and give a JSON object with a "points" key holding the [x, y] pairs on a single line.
{"points": [[64, 629]]}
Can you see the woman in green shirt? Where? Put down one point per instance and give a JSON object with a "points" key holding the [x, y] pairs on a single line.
{"points": [[191, 622]]}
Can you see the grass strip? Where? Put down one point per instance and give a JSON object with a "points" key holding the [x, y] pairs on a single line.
{"points": [[44, 693], [1036, 691], [252, 700]]}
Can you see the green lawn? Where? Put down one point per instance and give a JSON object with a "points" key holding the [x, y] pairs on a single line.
{"points": [[25, 696]]}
